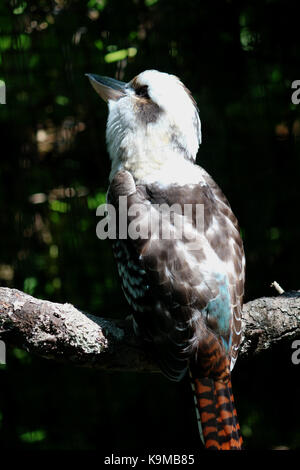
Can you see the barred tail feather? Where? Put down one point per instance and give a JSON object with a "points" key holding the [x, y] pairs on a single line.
{"points": [[219, 423]]}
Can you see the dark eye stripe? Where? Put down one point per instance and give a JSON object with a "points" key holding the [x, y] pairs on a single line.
{"points": [[142, 91]]}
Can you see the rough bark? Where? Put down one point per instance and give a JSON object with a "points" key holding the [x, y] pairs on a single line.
{"points": [[62, 332]]}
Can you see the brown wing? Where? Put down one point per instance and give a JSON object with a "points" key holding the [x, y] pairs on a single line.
{"points": [[237, 256], [182, 292]]}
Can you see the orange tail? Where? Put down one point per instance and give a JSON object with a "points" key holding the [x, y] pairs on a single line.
{"points": [[215, 403]]}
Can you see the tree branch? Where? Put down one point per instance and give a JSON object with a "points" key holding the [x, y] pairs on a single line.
{"points": [[62, 332]]}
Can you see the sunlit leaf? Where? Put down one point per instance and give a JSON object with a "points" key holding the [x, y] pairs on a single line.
{"points": [[94, 202], [59, 206], [99, 44], [120, 55], [30, 284], [132, 51], [33, 436], [5, 43], [20, 9], [247, 39], [23, 42], [97, 4]]}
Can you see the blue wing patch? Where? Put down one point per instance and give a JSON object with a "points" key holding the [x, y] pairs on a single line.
{"points": [[218, 311]]}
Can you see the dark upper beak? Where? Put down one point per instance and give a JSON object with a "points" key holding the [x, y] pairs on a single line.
{"points": [[107, 88]]}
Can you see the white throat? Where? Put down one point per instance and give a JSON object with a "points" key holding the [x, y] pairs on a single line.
{"points": [[150, 153]]}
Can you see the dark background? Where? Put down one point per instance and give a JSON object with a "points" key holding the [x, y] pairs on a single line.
{"points": [[239, 60]]}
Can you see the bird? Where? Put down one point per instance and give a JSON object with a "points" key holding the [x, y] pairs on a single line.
{"points": [[186, 292]]}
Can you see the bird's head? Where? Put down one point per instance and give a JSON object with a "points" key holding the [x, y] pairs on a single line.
{"points": [[153, 121]]}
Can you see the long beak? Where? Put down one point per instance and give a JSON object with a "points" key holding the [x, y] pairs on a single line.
{"points": [[107, 88]]}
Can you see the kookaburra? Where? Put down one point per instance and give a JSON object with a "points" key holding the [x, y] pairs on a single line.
{"points": [[186, 295]]}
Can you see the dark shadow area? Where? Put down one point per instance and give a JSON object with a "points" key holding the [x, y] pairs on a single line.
{"points": [[239, 61]]}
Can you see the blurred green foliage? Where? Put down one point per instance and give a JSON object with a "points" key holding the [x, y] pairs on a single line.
{"points": [[239, 60]]}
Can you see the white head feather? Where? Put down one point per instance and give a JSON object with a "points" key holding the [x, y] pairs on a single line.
{"points": [[154, 135]]}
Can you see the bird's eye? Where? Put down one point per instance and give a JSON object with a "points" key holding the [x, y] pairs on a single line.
{"points": [[142, 91]]}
